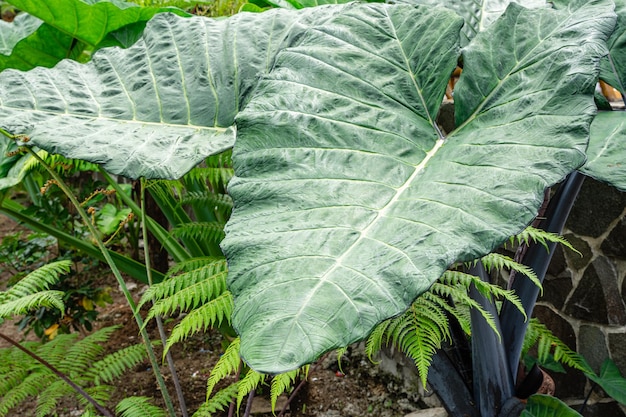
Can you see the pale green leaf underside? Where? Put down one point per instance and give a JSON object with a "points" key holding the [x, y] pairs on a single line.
{"points": [[348, 206], [11, 33], [158, 108], [607, 147]]}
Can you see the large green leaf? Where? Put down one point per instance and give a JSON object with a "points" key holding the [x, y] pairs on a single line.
{"points": [[611, 381], [349, 203], [478, 14], [90, 20], [613, 69], [547, 406], [159, 107], [69, 26], [607, 147]]}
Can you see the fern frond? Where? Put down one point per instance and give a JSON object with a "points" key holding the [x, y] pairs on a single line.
{"points": [[138, 407], [226, 365], [208, 315], [542, 237], [213, 231], [211, 264], [374, 341], [115, 364], [547, 343], [284, 382], [11, 379], [186, 274], [247, 384], [84, 352], [191, 296], [40, 279], [221, 202], [31, 386], [216, 177], [100, 393], [499, 261], [47, 399], [50, 299], [218, 402], [456, 279]]}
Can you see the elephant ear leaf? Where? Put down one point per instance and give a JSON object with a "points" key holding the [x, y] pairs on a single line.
{"points": [[159, 107], [478, 15], [607, 147], [13, 32], [350, 203], [68, 27]]}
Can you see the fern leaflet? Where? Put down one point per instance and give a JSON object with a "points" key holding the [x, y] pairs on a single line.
{"points": [[138, 407], [218, 402], [227, 364]]}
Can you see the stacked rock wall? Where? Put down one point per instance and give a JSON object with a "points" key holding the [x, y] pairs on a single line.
{"points": [[584, 300]]}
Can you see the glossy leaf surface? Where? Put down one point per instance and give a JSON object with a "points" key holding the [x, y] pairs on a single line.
{"points": [[67, 22], [547, 406], [349, 202]]}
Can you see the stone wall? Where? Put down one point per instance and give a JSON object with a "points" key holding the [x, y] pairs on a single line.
{"points": [[584, 301]]}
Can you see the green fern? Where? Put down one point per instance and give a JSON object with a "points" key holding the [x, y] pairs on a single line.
{"points": [[247, 384], [115, 364], [221, 202], [185, 291], [138, 407], [218, 402], [498, 261], [284, 382], [210, 314], [548, 344], [531, 234], [228, 363], [212, 231], [21, 376]]}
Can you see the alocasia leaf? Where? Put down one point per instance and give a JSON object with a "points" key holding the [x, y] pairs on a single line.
{"points": [[159, 107], [13, 32], [66, 23], [611, 381], [613, 68], [478, 14], [547, 406], [606, 150], [349, 202]]}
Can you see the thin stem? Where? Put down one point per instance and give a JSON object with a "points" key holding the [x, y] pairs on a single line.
{"points": [[129, 299], [101, 409], [231, 409], [159, 322], [249, 404]]}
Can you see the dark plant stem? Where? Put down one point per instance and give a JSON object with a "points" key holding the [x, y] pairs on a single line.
{"points": [[493, 383], [231, 409], [512, 321], [450, 386], [101, 409], [584, 404], [249, 404]]}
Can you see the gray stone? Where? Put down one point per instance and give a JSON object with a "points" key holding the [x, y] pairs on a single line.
{"points": [[577, 260], [615, 243], [617, 347], [556, 289], [592, 345], [429, 412], [596, 298], [597, 206]]}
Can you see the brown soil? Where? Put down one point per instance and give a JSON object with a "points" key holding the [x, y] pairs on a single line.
{"points": [[359, 390]]}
